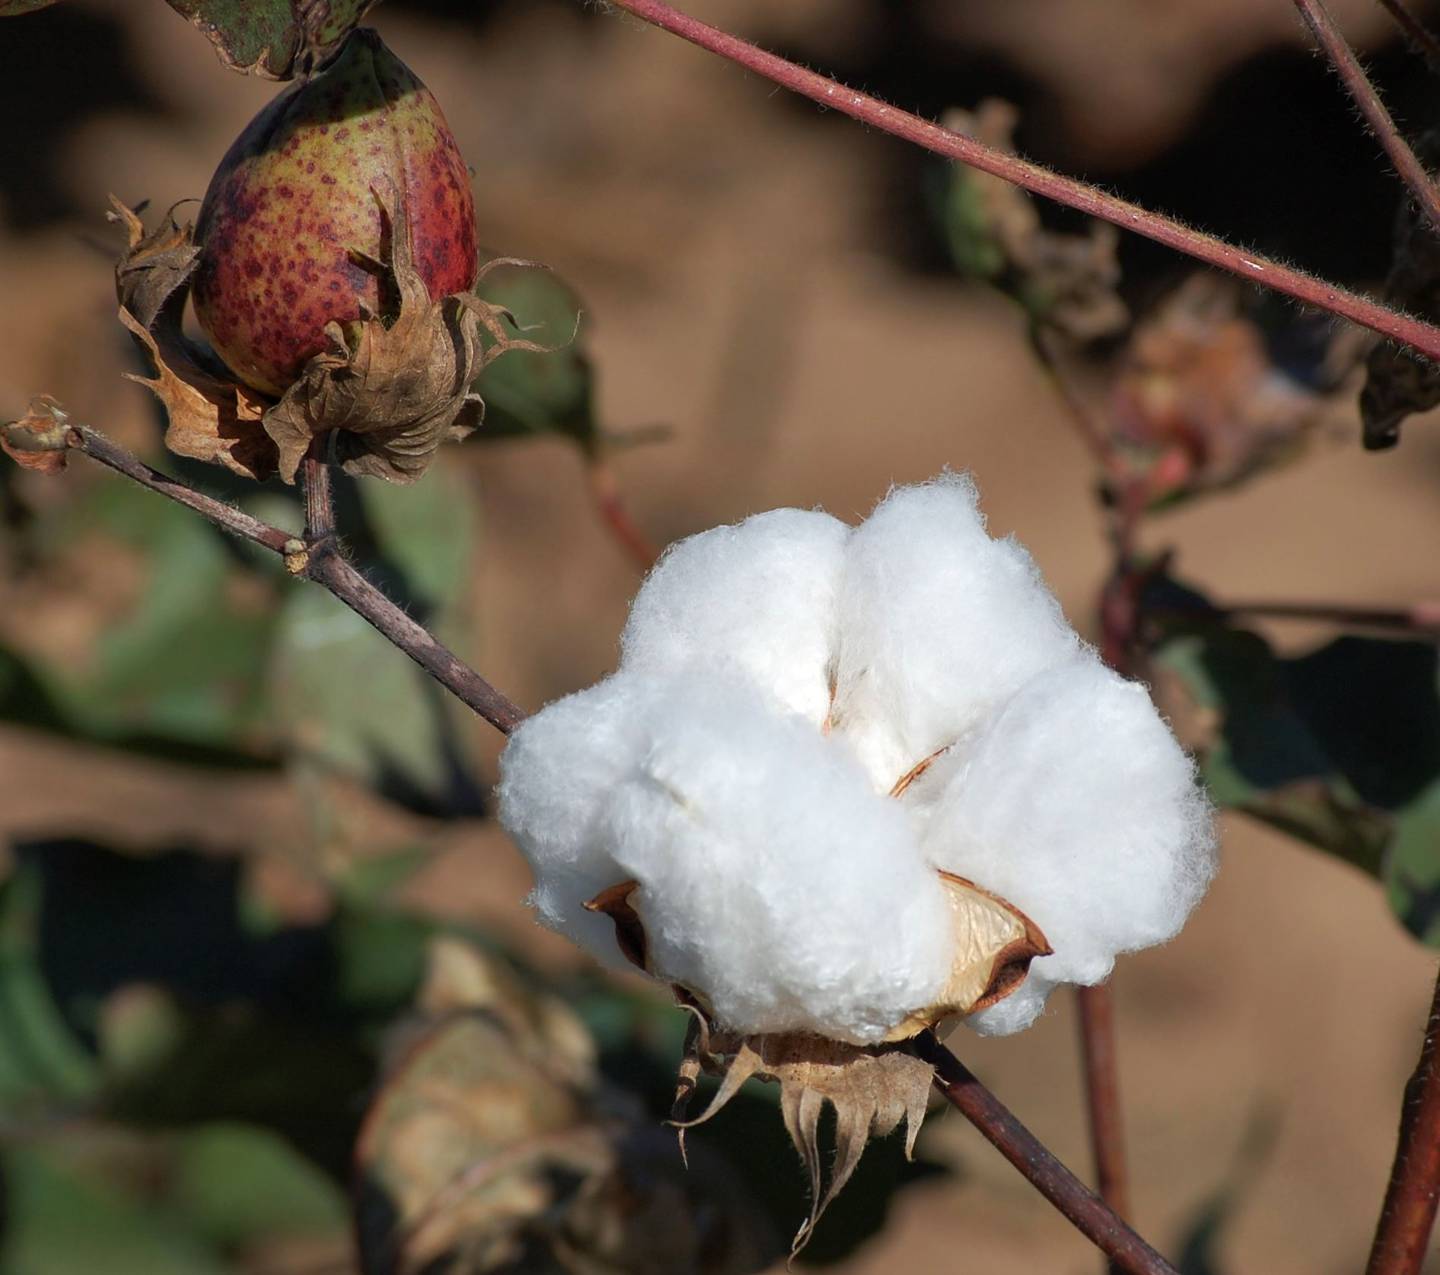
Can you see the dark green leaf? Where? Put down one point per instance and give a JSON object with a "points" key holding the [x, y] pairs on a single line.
{"points": [[530, 393], [237, 1184], [41, 1057], [12, 8], [276, 39], [1412, 870], [66, 1216]]}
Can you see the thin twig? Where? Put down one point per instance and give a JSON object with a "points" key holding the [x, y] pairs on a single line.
{"points": [[880, 115], [1090, 431], [321, 563], [606, 493], [1403, 1233], [1102, 1097], [1416, 31], [1362, 92], [238, 523], [1080, 1205], [1421, 619]]}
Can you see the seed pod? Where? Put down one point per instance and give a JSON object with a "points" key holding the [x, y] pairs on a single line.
{"points": [[290, 230]]}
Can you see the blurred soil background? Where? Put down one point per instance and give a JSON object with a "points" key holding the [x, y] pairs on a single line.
{"points": [[764, 279]]}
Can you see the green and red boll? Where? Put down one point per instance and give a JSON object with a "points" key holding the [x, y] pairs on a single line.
{"points": [[291, 231]]}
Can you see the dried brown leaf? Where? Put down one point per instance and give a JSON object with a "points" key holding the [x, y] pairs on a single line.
{"points": [[39, 439], [155, 266], [209, 419]]}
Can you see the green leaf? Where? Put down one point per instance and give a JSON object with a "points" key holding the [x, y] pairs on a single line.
{"points": [[348, 701], [63, 1217], [530, 393], [41, 1058], [186, 663], [13, 8], [1412, 869], [276, 39], [423, 534], [236, 1184]]}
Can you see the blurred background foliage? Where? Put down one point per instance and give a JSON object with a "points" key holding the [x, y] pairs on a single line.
{"points": [[243, 1051]]}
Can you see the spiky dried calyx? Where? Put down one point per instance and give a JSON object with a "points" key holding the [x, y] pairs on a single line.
{"points": [[289, 230]]}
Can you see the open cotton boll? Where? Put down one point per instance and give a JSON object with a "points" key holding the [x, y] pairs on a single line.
{"points": [[939, 626], [775, 882], [1078, 806], [759, 595], [555, 775]]}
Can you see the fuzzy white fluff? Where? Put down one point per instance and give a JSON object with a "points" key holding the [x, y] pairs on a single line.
{"points": [[778, 879]]}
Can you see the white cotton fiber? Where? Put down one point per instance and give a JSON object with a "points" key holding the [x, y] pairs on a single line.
{"points": [[778, 880], [939, 626], [758, 596], [1077, 805], [774, 877], [555, 774]]}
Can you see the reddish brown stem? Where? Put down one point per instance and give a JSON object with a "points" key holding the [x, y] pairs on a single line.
{"points": [[1421, 618], [616, 516], [1362, 93], [319, 496], [1415, 31], [1041, 181], [1084, 1209], [1102, 1096], [1408, 1216]]}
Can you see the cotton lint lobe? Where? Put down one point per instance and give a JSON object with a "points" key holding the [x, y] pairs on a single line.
{"points": [[777, 678]]}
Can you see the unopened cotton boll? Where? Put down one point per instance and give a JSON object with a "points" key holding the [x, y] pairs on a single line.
{"points": [[940, 625], [759, 596]]}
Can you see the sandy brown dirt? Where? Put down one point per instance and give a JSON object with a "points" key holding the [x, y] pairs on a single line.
{"points": [[724, 245]]}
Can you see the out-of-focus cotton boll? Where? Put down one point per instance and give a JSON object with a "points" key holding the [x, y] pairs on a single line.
{"points": [[759, 596], [775, 880], [1077, 805], [939, 626]]}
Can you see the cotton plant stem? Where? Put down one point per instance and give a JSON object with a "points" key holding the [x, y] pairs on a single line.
{"points": [[1415, 31], [1362, 92], [1408, 1216], [613, 513], [1089, 430], [1091, 200], [318, 559], [1080, 1205], [1421, 618], [1102, 1098]]}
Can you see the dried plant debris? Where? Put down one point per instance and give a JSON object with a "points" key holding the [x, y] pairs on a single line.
{"points": [[493, 1146], [39, 440], [1399, 382], [1066, 282]]}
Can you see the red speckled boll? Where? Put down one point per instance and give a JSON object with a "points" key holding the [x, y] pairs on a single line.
{"points": [[294, 197]]}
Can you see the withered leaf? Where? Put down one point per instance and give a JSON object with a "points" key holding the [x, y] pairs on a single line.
{"points": [[39, 439], [872, 1090], [1066, 282], [155, 265], [209, 419]]}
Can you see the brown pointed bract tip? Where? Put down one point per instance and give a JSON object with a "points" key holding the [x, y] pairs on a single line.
{"points": [[629, 931]]}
